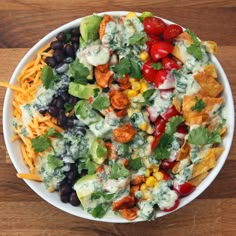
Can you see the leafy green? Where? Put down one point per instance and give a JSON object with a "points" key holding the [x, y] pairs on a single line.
{"points": [[79, 72], [42, 142], [147, 94], [100, 210], [101, 102], [157, 66], [48, 78], [118, 170], [106, 196], [101, 151], [162, 150], [202, 136], [54, 162], [68, 107], [128, 66], [138, 38], [172, 124], [96, 92], [195, 48], [199, 105], [136, 163], [144, 15]]}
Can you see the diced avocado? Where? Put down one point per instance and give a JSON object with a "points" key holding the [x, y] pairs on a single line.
{"points": [[85, 113], [82, 91], [98, 151], [84, 188], [89, 27]]}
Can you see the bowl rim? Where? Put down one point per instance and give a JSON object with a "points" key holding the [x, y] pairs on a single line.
{"points": [[79, 212]]}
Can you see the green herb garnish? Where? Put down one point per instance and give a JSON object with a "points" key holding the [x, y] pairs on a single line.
{"points": [[48, 77], [199, 105]]}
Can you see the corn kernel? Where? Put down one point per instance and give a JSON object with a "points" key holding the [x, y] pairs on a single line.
{"points": [[131, 93], [143, 126], [147, 173], [143, 56], [131, 15], [143, 187], [150, 129], [130, 112], [146, 194], [158, 175], [135, 85], [143, 86], [151, 181], [150, 139], [155, 168], [132, 80]]}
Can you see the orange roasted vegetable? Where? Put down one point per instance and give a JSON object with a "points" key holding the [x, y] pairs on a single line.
{"points": [[103, 25], [103, 78], [123, 203], [129, 214], [139, 179], [119, 100], [124, 133]]}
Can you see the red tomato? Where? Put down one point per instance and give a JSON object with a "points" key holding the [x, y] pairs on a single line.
{"points": [[172, 31], [175, 205], [155, 142], [160, 77], [160, 125], [154, 25], [165, 174], [169, 63], [183, 189], [160, 50], [182, 129], [167, 164], [170, 112], [149, 72], [151, 40]]}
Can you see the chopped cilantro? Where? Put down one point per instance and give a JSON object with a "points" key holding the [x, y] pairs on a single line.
{"points": [[118, 170], [79, 72], [101, 151], [147, 95], [100, 210], [48, 78], [202, 136], [195, 48], [172, 124], [138, 38], [199, 105], [157, 66], [96, 92], [135, 69], [101, 102], [68, 107], [106, 196], [54, 162], [136, 163]]}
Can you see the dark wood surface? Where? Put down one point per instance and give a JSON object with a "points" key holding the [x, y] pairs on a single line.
{"points": [[22, 212]]}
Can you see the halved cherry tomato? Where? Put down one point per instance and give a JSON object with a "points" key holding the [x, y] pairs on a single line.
{"points": [[154, 25], [160, 50], [166, 164], [165, 174], [172, 31], [160, 77], [175, 205], [159, 125], [169, 63], [182, 129], [183, 189], [148, 71], [155, 142], [170, 112], [151, 40]]}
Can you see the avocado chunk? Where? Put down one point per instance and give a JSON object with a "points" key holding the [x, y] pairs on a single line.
{"points": [[84, 188], [89, 27], [98, 151], [82, 91]]}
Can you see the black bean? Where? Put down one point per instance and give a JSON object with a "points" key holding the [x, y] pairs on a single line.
{"points": [[72, 100], [74, 39], [72, 176], [61, 68], [56, 45], [70, 123], [65, 198], [80, 131], [59, 55], [76, 46], [68, 60], [60, 102], [61, 37], [53, 111], [74, 200], [65, 96], [65, 188], [83, 172], [75, 31], [51, 61], [61, 120], [69, 49]]}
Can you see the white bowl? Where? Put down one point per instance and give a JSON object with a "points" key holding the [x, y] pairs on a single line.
{"points": [[53, 198]]}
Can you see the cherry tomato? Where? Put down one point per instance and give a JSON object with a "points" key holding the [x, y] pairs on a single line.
{"points": [[175, 205], [160, 125], [169, 63], [148, 71], [165, 174], [170, 112], [166, 164], [151, 40], [160, 50], [172, 31], [160, 77], [155, 142], [182, 129], [183, 189], [153, 25]]}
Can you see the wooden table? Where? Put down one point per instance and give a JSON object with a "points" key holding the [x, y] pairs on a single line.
{"points": [[22, 212]]}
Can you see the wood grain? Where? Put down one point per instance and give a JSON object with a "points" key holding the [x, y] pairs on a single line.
{"points": [[22, 212]]}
